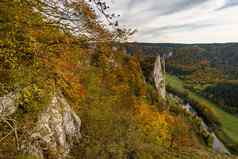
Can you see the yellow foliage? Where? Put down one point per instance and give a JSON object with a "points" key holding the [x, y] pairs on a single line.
{"points": [[154, 123]]}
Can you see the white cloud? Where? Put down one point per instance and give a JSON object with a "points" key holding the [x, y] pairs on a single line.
{"points": [[183, 21]]}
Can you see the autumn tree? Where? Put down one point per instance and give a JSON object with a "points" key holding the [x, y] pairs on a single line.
{"points": [[80, 18]]}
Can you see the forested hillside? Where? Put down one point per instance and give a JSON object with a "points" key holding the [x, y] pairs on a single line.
{"points": [[67, 93], [222, 57]]}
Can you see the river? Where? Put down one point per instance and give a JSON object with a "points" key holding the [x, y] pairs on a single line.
{"points": [[217, 145]]}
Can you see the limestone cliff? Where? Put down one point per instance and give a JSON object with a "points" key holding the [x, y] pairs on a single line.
{"points": [[57, 128]]}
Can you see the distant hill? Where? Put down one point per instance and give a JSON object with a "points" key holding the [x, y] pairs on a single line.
{"points": [[221, 56]]}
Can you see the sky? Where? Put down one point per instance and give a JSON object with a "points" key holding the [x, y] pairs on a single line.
{"points": [[179, 21]]}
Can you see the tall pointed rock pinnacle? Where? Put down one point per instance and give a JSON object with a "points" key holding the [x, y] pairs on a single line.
{"points": [[159, 76]]}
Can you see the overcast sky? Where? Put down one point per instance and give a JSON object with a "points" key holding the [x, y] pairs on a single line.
{"points": [[180, 21]]}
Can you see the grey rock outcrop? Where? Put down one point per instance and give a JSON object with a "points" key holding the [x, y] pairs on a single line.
{"points": [[8, 104], [159, 76], [56, 130], [58, 127]]}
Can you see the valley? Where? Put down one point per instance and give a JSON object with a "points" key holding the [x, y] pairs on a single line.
{"points": [[195, 73], [228, 130], [72, 86], [210, 70]]}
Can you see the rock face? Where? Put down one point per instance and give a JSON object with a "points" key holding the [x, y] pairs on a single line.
{"points": [[8, 104], [58, 127], [159, 76]]}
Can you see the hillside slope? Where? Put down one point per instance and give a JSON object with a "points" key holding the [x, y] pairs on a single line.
{"points": [[73, 100]]}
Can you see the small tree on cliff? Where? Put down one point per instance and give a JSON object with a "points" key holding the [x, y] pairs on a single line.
{"points": [[80, 17]]}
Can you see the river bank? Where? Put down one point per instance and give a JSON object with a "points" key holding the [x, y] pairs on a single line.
{"points": [[223, 124]]}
